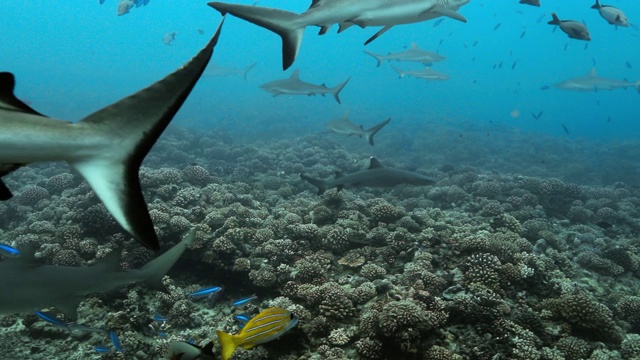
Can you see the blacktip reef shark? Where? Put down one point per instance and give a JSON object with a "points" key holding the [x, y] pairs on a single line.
{"points": [[613, 15], [30, 286], [346, 13], [593, 82], [215, 70], [412, 54], [294, 86], [375, 176], [344, 126], [425, 74], [106, 147]]}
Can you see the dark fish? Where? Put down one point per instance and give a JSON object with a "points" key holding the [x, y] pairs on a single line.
{"points": [[531, 2], [628, 64], [497, 26], [574, 29], [564, 127], [586, 46], [609, 119], [593, 61], [539, 20], [566, 46], [544, 87], [475, 43], [604, 224], [438, 22], [200, 31], [500, 65], [537, 116], [523, 33], [514, 64]]}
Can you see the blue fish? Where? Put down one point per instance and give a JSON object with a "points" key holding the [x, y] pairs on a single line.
{"points": [[9, 251], [159, 318], [162, 335], [50, 318], [102, 349], [242, 318], [243, 301], [115, 341], [208, 291]]}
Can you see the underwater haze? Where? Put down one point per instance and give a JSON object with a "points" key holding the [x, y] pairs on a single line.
{"points": [[492, 213]]}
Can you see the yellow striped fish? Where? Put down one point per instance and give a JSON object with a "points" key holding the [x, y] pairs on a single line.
{"points": [[264, 327]]}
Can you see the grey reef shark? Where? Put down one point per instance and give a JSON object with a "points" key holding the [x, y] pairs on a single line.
{"points": [[215, 70], [593, 82], [106, 147], [30, 286], [344, 126], [375, 176], [346, 13], [425, 74], [412, 54], [575, 30], [294, 86]]}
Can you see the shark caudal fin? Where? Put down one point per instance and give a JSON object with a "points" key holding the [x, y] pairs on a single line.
{"points": [[320, 184], [372, 131], [153, 272], [284, 23], [247, 69], [335, 91], [401, 73], [126, 131], [376, 56]]}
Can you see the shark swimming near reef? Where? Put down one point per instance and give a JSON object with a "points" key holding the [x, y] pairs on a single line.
{"points": [[215, 70], [375, 176], [344, 126], [106, 147], [30, 286], [324, 13], [593, 82], [425, 74], [294, 86]]}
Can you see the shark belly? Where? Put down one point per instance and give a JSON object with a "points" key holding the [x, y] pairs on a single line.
{"points": [[396, 13]]}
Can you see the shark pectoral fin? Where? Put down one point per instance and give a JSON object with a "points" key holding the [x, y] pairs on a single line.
{"points": [[153, 272], [5, 193], [362, 22], [323, 29], [284, 23], [344, 26], [449, 13], [125, 132], [69, 307], [378, 34]]}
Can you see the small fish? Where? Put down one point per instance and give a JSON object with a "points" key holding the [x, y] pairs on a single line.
{"points": [[159, 318], [564, 127], [537, 116], [200, 31], [523, 34], [9, 251], [102, 349], [268, 325], [115, 341], [593, 61], [514, 64], [539, 20], [124, 6], [544, 87], [628, 64], [438, 22], [71, 326], [608, 119], [604, 224], [208, 291], [241, 318], [497, 26], [243, 301], [169, 38]]}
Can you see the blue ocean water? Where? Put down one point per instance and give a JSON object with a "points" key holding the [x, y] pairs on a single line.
{"points": [[72, 58]]}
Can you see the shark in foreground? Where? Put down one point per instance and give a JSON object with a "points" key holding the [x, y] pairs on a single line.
{"points": [[34, 286], [294, 86], [344, 126], [106, 147], [412, 54], [346, 13], [375, 176], [593, 82]]}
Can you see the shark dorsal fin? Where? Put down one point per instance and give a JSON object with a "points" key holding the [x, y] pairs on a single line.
{"points": [[346, 115], [338, 174], [593, 72], [8, 100], [374, 164], [296, 74], [414, 45]]}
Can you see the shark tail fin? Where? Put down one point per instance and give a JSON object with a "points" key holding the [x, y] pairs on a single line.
{"points": [[336, 90], [401, 73], [124, 133], [376, 56], [374, 130], [154, 271], [320, 184], [283, 23], [247, 69], [556, 20]]}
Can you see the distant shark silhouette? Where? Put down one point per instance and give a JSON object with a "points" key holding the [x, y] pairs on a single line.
{"points": [[593, 82], [375, 176], [344, 126], [412, 54], [215, 70], [324, 13], [106, 147], [294, 86], [30, 286]]}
